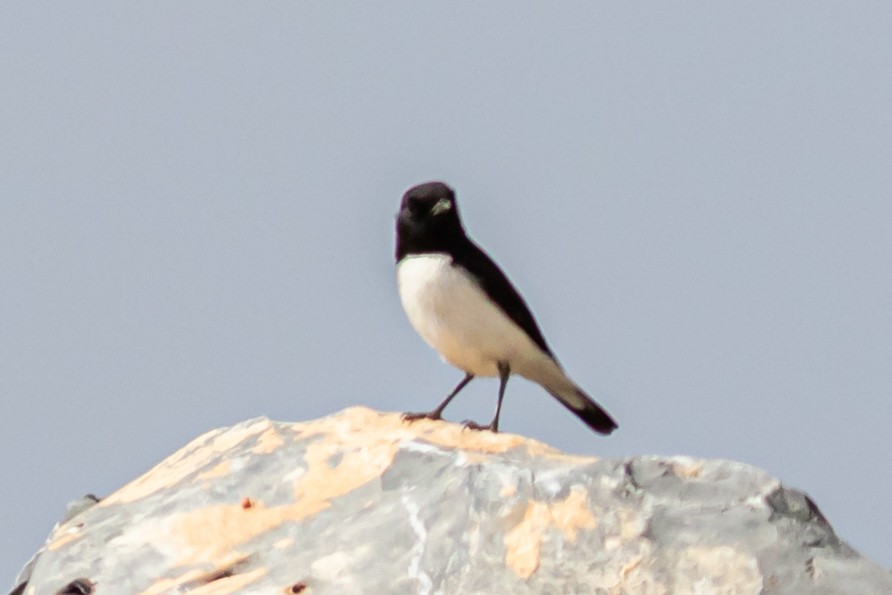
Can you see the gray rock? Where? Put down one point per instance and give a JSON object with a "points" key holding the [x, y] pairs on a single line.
{"points": [[362, 502], [74, 508]]}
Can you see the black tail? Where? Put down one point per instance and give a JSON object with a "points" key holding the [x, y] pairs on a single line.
{"points": [[587, 410]]}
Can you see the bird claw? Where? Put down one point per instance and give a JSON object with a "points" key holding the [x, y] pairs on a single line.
{"points": [[410, 417], [473, 425]]}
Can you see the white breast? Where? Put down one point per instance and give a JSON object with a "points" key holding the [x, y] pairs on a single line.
{"points": [[455, 316]]}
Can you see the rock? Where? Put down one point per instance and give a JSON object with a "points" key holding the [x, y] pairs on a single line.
{"points": [[363, 502], [74, 508]]}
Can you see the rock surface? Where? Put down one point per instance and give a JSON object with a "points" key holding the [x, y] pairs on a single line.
{"points": [[362, 502]]}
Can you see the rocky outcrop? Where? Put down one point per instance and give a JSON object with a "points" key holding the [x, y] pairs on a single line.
{"points": [[362, 502]]}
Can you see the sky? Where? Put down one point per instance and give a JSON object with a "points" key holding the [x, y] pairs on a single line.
{"points": [[197, 206]]}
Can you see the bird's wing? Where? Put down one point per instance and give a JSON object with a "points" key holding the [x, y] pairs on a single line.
{"points": [[500, 290]]}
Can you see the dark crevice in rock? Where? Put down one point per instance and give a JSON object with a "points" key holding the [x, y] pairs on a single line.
{"points": [[629, 476], [810, 567], [792, 506], [81, 586], [217, 575]]}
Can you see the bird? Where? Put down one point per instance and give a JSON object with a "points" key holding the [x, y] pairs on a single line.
{"points": [[463, 305]]}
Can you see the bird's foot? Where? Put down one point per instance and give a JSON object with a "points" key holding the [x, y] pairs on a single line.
{"points": [[473, 425], [410, 417]]}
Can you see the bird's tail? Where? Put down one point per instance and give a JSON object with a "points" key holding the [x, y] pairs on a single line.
{"points": [[547, 372], [585, 408]]}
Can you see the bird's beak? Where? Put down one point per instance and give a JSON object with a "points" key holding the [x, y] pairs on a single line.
{"points": [[441, 206]]}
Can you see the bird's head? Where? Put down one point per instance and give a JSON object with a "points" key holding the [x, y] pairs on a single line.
{"points": [[428, 219]]}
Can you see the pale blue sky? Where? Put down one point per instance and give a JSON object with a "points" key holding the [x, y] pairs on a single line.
{"points": [[196, 227]]}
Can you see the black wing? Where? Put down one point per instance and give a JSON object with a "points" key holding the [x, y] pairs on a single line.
{"points": [[499, 289]]}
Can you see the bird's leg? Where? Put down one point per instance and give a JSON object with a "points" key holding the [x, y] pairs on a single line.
{"points": [[504, 372], [436, 413]]}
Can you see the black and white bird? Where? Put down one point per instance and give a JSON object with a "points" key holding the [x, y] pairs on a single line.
{"points": [[463, 305]]}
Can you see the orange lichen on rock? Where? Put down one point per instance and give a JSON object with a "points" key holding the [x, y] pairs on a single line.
{"points": [[212, 533], [203, 535], [235, 583], [358, 464], [61, 539], [216, 471], [268, 442], [185, 461], [392, 426], [687, 468], [523, 543]]}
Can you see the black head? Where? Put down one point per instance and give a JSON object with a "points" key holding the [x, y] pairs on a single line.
{"points": [[428, 220]]}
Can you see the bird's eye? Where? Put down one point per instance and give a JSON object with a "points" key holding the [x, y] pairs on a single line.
{"points": [[441, 206]]}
